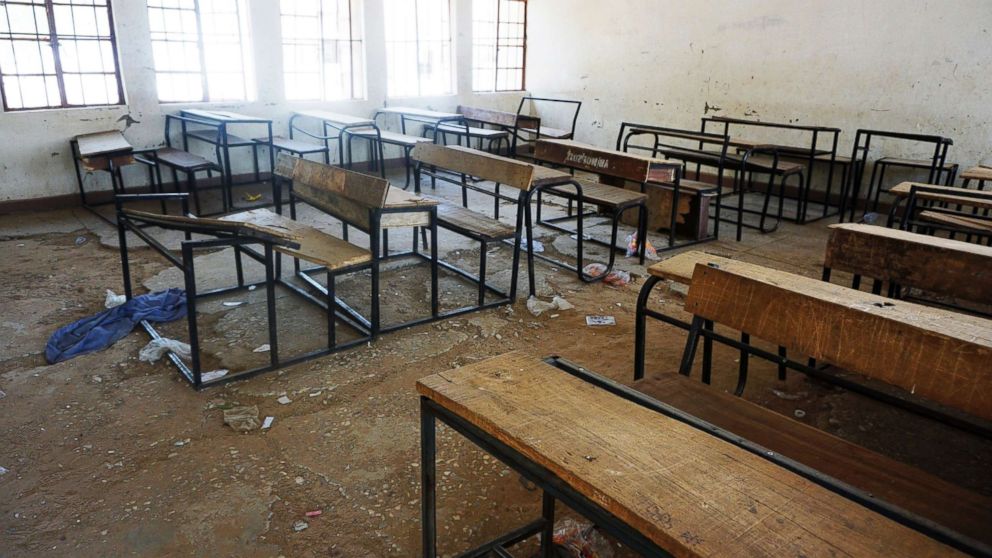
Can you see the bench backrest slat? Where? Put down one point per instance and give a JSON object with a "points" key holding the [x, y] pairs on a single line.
{"points": [[328, 183], [942, 266], [627, 166], [939, 355], [476, 163], [499, 118], [208, 225]]}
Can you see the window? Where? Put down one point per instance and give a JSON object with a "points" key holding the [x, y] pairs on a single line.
{"points": [[322, 49], [418, 48], [58, 54], [200, 48], [499, 44]]}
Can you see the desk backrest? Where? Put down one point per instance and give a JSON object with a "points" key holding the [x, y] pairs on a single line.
{"points": [[942, 266], [344, 194], [476, 163], [607, 162], [500, 118], [936, 354]]}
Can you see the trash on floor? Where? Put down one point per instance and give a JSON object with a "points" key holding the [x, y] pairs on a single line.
{"points": [[233, 303], [580, 540], [536, 244], [155, 348], [113, 299], [102, 330], [267, 423], [261, 348], [251, 197], [600, 321], [300, 525], [633, 248], [615, 278], [313, 513], [284, 400], [538, 306], [243, 419]]}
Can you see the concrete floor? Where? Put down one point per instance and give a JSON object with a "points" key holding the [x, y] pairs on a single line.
{"points": [[109, 456]]}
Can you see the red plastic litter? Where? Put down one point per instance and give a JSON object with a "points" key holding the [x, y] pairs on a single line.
{"points": [[314, 513]]}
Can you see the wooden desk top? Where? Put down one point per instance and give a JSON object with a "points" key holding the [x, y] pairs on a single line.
{"points": [[945, 193], [543, 176], [225, 116], [103, 143], [399, 198], [977, 173], [679, 267], [336, 118], [420, 113], [687, 491]]}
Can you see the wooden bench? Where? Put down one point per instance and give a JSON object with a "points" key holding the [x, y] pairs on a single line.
{"points": [[259, 235], [667, 206], [928, 209], [403, 141], [343, 125], [371, 205], [463, 161], [657, 479], [474, 225], [939, 266], [505, 127]]}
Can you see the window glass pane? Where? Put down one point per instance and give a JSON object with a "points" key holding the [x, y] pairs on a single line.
{"points": [[87, 73], [191, 48], [323, 55], [418, 47], [498, 44]]}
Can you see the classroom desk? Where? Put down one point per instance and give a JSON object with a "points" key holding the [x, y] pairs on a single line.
{"points": [[223, 140], [659, 480], [342, 123], [105, 151], [423, 116], [812, 154]]}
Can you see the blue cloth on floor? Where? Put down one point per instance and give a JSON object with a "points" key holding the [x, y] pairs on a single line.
{"points": [[102, 330]]}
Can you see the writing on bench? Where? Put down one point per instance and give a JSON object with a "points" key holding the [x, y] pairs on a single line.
{"points": [[584, 160]]}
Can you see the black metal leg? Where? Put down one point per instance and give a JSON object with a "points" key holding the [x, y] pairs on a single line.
{"points": [[548, 532], [270, 295], [331, 307], [691, 342], [783, 353], [125, 266], [640, 331], [194, 338], [707, 353], [435, 306], [428, 481], [742, 366], [482, 274]]}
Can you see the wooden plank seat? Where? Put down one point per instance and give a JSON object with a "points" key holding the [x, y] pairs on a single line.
{"points": [[941, 266], [602, 194], [979, 173], [678, 489], [292, 145], [679, 268], [483, 227], [184, 160], [473, 132], [394, 138], [946, 194], [910, 488], [315, 245], [965, 222]]}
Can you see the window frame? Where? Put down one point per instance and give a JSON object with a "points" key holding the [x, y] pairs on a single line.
{"points": [[53, 42], [246, 60], [452, 87], [358, 77], [496, 46]]}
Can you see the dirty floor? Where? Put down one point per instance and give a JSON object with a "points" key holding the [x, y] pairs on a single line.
{"points": [[104, 455]]}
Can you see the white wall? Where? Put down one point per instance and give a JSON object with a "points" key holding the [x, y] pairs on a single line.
{"points": [[902, 65], [35, 157]]}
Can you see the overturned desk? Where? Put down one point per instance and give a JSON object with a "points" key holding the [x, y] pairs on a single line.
{"points": [[660, 481]]}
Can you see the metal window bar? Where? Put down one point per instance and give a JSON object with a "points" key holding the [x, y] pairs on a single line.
{"points": [[54, 38]]}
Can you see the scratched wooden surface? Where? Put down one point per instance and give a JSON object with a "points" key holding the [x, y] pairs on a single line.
{"points": [[983, 200], [937, 354], [690, 493], [943, 266], [476, 163], [679, 268], [629, 166], [976, 223]]}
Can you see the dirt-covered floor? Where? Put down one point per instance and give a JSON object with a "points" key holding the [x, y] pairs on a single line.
{"points": [[104, 455]]}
